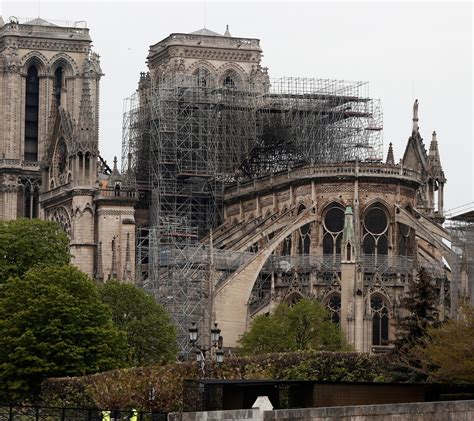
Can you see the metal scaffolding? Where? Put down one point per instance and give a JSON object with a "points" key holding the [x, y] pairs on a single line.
{"points": [[186, 138], [461, 228]]}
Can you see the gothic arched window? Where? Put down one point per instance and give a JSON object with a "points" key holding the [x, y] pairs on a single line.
{"points": [[333, 224], [379, 321], [58, 84], [203, 77], [375, 224], [230, 79], [304, 235], [334, 307], [31, 114]]}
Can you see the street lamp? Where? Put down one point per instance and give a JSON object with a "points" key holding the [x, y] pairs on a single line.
{"points": [[216, 344]]}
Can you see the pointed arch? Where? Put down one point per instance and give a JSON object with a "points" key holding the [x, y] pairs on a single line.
{"points": [[37, 59], [66, 62]]}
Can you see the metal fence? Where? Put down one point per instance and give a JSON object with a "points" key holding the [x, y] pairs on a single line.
{"points": [[37, 413]]}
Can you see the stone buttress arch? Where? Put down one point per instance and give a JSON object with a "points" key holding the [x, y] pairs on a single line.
{"points": [[232, 295]]}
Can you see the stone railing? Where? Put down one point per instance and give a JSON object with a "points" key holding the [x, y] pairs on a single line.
{"points": [[115, 193], [350, 169], [19, 164], [215, 40]]}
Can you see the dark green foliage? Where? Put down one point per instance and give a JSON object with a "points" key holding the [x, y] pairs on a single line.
{"points": [[52, 323], [303, 326], [129, 388], [25, 243], [150, 333], [420, 307]]}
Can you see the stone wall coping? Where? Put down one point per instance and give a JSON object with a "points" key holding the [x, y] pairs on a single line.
{"points": [[365, 410], [439, 410]]}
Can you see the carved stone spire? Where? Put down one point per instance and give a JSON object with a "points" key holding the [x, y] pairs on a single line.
{"points": [[86, 134], [415, 117], [227, 32], [390, 158], [433, 157]]}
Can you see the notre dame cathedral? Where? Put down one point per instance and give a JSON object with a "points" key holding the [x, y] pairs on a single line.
{"points": [[285, 217]]}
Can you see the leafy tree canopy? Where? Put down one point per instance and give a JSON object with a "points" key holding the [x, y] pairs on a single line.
{"points": [[53, 323], [25, 243], [302, 326], [448, 351], [150, 332]]}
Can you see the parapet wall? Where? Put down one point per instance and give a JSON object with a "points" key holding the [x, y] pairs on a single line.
{"points": [[425, 411]]}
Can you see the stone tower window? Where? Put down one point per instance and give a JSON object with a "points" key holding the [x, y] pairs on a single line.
{"points": [[375, 224], [58, 85], [379, 321], [333, 224], [31, 114]]}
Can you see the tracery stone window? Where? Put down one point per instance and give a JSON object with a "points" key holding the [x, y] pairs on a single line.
{"points": [[303, 235], [61, 216], [203, 77], [30, 197], [375, 225], [31, 114], [334, 307], [333, 224], [379, 321], [230, 79]]}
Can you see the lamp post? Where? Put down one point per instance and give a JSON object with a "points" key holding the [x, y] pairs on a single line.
{"points": [[216, 345]]}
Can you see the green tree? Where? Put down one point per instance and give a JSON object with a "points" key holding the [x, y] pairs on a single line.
{"points": [[447, 352], [53, 323], [302, 326], [25, 243], [150, 332], [421, 314]]}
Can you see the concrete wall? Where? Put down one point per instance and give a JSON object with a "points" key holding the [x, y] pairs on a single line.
{"points": [[425, 411]]}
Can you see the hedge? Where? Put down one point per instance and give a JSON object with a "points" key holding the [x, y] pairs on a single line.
{"points": [[160, 388]]}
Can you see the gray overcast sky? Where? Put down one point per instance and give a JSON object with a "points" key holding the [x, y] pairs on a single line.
{"points": [[404, 50]]}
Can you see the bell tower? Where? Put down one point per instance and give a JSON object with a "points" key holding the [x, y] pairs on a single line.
{"points": [[41, 71]]}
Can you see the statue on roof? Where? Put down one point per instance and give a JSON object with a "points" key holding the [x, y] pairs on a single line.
{"points": [[415, 116]]}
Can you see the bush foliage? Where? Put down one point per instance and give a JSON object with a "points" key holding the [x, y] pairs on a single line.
{"points": [[160, 388], [304, 326]]}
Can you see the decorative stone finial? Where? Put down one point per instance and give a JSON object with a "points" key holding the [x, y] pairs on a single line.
{"points": [[227, 32], [390, 158], [115, 163]]}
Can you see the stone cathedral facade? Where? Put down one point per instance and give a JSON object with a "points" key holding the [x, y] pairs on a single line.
{"points": [[50, 165]]}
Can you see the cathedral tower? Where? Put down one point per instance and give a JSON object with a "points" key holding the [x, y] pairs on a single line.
{"points": [[49, 144], [41, 70]]}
